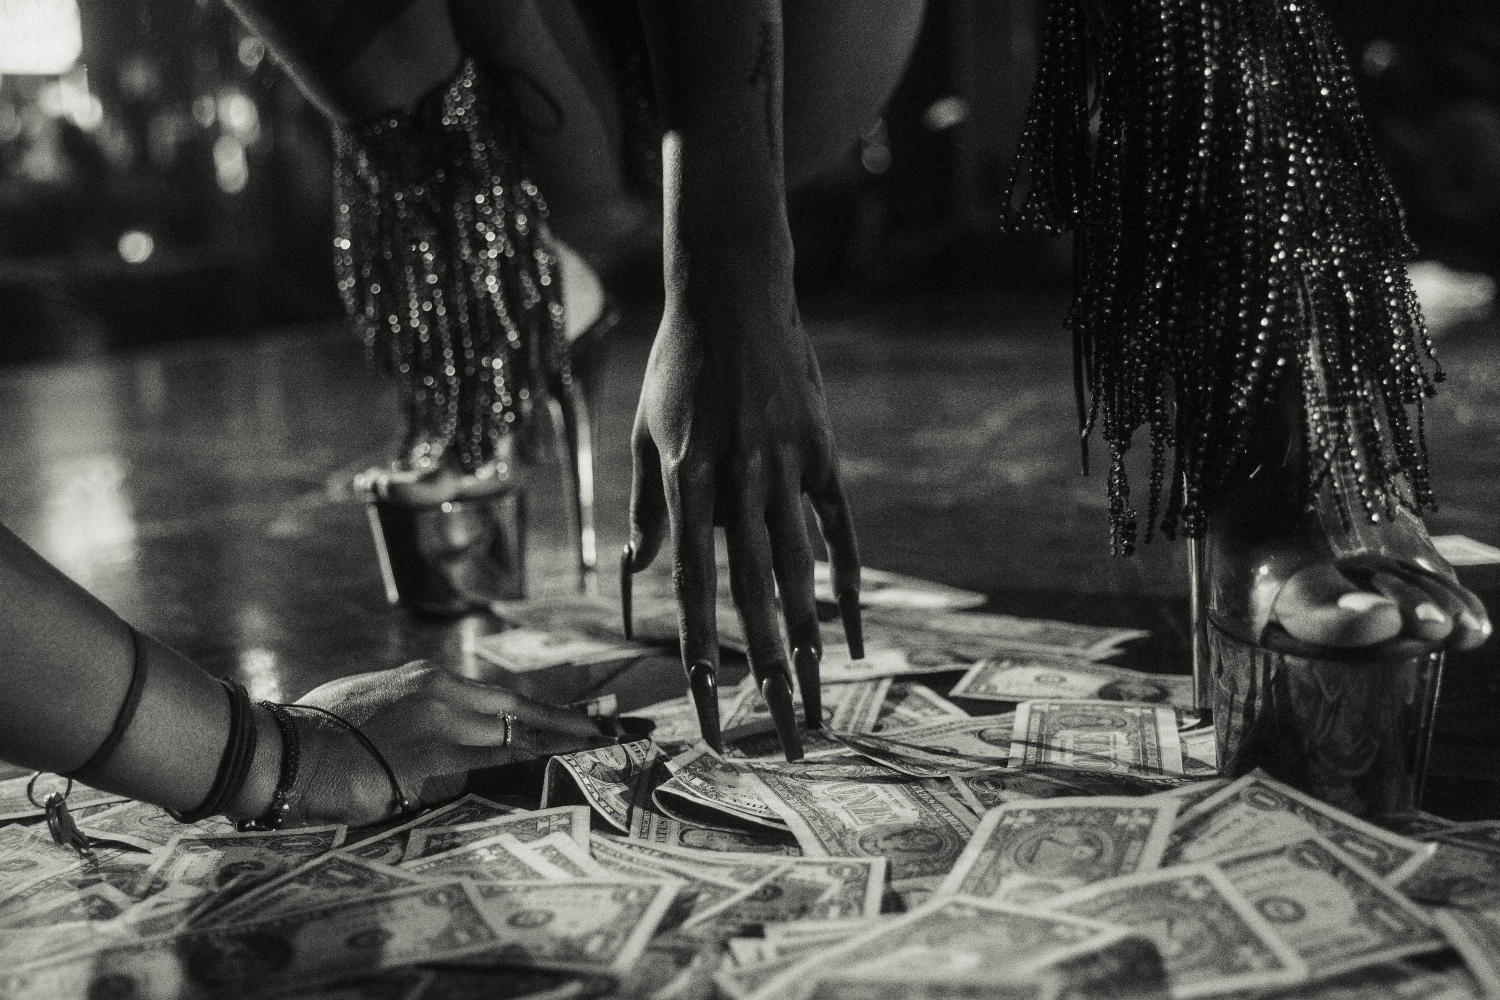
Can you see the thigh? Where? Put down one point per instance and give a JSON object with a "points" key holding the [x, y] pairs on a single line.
{"points": [[843, 61]]}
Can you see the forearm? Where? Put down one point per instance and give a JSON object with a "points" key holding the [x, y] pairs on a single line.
{"points": [[719, 69], [67, 662]]}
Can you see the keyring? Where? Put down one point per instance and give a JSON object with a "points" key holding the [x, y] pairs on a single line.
{"points": [[31, 789]]}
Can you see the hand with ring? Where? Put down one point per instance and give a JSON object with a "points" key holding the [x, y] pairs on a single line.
{"points": [[433, 726]]}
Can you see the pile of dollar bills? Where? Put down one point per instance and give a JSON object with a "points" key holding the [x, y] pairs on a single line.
{"points": [[1075, 841]]}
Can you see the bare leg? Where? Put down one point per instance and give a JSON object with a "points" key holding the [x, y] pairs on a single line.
{"points": [[574, 154]]}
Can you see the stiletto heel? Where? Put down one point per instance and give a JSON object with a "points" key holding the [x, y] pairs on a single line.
{"points": [[575, 444], [627, 583], [571, 406]]}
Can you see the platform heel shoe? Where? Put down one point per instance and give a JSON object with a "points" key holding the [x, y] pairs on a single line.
{"points": [[448, 270], [449, 543], [1351, 725]]}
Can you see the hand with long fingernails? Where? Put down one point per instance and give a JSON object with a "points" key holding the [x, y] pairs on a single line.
{"points": [[732, 429]]}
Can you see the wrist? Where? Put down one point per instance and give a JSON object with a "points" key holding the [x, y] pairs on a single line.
{"points": [[265, 769], [340, 781]]}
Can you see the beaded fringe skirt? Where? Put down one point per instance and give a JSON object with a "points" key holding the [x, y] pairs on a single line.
{"points": [[444, 266], [1233, 229]]}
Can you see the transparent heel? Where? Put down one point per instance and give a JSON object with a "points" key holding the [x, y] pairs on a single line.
{"points": [[1356, 734], [450, 558]]}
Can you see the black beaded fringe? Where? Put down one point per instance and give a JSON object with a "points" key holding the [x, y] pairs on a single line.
{"points": [[1233, 227], [443, 262]]}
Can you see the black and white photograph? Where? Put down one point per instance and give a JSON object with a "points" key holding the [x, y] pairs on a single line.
{"points": [[749, 499]]}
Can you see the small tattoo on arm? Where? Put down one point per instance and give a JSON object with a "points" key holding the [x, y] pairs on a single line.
{"points": [[764, 76]]}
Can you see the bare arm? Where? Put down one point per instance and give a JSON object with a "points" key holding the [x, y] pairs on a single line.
{"points": [[66, 663], [732, 427]]}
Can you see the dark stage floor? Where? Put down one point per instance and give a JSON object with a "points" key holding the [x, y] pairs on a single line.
{"points": [[202, 490]]}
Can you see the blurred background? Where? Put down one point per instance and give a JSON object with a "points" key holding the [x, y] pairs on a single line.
{"points": [[161, 179]]}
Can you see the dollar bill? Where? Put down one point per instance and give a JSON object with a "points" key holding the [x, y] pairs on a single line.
{"points": [[1257, 809], [571, 821], [743, 868], [957, 947], [652, 825], [26, 859], [21, 947], [561, 851], [331, 878], [1097, 735], [1028, 676], [1408, 980], [1191, 794], [1210, 937], [66, 874], [808, 889], [920, 831], [805, 933], [1337, 914], [1026, 852], [702, 777], [148, 827], [1200, 752], [15, 803], [1456, 875], [207, 863], [984, 790], [100, 901], [702, 887], [389, 846], [996, 634], [849, 708], [614, 780], [424, 923], [578, 925], [908, 703], [940, 749], [677, 719], [1475, 935], [881, 589], [523, 650], [763, 746], [492, 860]]}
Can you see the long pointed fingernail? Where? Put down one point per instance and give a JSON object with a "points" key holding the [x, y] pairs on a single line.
{"points": [[811, 684], [1471, 622], [703, 686], [1429, 613], [777, 691], [1359, 602], [854, 629], [627, 579]]}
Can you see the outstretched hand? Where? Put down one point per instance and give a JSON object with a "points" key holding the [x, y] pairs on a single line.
{"points": [[732, 430], [433, 727]]}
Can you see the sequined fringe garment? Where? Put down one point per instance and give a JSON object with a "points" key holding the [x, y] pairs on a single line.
{"points": [[1233, 227], [444, 266]]}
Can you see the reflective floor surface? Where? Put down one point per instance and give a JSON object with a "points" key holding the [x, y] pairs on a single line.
{"points": [[202, 490]]}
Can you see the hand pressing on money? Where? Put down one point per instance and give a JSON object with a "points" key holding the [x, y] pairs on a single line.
{"points": [[433, 727]]}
